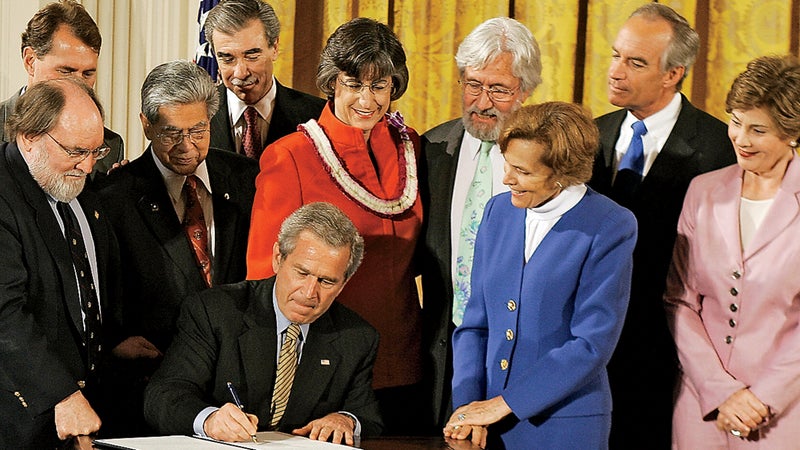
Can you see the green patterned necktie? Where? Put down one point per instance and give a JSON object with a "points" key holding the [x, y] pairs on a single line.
{"points": [[480, 190]]}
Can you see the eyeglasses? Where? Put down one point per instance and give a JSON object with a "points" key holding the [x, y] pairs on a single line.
{"points": [[79, 154], [175, 137], [496, 94], [377, 88]]}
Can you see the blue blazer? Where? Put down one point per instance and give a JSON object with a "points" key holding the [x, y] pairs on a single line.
{"points": [[541, 333]]}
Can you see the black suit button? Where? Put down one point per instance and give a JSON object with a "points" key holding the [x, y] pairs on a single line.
{"points": [[734, 291], [728, 339], [734, 308]]}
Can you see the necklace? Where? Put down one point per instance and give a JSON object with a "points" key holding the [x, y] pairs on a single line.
{"points": [[353, 188]]}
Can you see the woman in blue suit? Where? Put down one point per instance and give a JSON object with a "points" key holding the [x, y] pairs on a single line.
{"points": [[550, 287]]}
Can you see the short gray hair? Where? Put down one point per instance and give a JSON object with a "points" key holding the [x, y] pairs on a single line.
{"points": [[177, 83], [38, 110], [684, 44], [230, 16], [328, 223], [503, 35]]}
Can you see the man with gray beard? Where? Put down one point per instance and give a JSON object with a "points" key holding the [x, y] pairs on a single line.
{"points": [[58, 255], [500, 66]]}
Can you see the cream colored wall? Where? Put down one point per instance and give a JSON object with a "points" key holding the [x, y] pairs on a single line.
{"points": [[137, 36], [14, 15]]}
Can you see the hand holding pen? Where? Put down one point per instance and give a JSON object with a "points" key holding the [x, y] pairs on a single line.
{"points": [[239, 405], [230, 423]]}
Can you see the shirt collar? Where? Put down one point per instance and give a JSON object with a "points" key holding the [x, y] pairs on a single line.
{"points": [[281, 322], [474, 145], [558, 206], [660, 123], [264, 106], [174, 182]]}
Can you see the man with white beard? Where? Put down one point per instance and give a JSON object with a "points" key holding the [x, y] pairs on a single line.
{"points": [[499, 65], [58, 253]]}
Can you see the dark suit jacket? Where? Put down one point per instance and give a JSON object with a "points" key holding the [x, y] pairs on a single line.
{"points": [[160, 268], [441, 146], [41, 330], [644, 366], [111, 139], [291, 109], [228, 333]]}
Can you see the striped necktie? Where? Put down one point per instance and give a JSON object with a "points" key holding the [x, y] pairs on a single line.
{"points": [[287, 364]]}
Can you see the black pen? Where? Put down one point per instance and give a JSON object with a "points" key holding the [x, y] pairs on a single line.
{"points": [[238, 404]]}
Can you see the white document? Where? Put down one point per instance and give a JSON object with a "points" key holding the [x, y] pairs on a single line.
{"points": [[266, 440]]}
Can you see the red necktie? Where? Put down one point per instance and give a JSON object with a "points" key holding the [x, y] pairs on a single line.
{"points": [[194, 224], [251, 139]]}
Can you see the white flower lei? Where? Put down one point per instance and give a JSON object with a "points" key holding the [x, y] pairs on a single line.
{"points": [[352, 188]]}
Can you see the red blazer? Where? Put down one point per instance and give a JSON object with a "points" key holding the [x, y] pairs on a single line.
{"points": [[383, 290]]}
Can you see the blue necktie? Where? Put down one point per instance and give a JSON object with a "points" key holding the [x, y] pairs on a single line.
{"points": [[633, 159], [631, 169], [480, 190]]}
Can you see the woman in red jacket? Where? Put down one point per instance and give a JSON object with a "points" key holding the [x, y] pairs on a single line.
{"points": [[362, 159]]}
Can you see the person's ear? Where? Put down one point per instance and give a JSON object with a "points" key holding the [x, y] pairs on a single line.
{"points": [[28, 60], [276, 257]]}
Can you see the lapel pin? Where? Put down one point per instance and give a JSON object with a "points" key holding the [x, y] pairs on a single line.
{"points": [[97, 215], [226, 196], [325, 362], [154, 207]]}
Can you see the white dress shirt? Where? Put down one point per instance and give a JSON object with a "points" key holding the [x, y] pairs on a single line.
{"points": [[174, 184], [659, 126], [236, 108], [540, 220]]}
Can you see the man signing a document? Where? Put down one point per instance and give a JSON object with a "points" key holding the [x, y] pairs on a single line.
{"points": [[299, 362]]}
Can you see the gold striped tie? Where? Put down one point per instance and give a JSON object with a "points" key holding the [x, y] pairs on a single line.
{"points": [[287, 363]]}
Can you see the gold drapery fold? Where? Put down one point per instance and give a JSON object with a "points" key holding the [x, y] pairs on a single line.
{"points": [[575, 37]]}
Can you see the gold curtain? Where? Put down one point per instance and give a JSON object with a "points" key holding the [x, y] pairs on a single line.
{"points": [[575, 38]]}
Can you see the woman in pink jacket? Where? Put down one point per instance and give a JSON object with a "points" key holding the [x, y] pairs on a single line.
{"points": [[733, 291]]}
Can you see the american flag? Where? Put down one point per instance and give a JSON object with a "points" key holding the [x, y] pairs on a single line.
{"points": [[203, 55]]}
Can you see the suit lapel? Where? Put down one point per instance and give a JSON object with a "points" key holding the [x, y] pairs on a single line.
{"points": [[221, 128], [47, 223], [782, 213], [157, 212], [315, 372], [101, 240], [677, 149], [258, 345], [226, 216], [725, 206]]}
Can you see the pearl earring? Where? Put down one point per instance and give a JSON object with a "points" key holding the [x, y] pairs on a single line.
{"points": [[793, 144]]}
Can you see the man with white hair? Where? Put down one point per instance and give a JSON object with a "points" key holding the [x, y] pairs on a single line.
{"points": [[499, 65]]}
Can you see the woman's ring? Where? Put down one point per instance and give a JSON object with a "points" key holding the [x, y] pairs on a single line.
{"points": [[736, 433], [461, 416], [456, 427]]}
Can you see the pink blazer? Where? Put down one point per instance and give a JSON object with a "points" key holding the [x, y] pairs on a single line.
{"points": [[735, 314]]}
